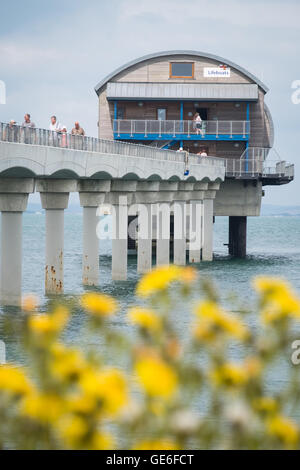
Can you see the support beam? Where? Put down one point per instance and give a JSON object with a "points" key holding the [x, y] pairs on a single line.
{"points": [[92, 195], [119, 241], [195, 232], [207, 248], [90, 247], [54, 269], [179, 233], [163, 234], [11, 258], [238, 236], [55, 197], [144, 238], [13, 202]]}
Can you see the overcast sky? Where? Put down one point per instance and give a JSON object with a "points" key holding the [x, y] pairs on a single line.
{"points": [[53, 53]]}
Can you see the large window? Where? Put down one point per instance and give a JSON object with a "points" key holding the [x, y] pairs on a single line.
{"points": [[161, 114], [181, 70]]}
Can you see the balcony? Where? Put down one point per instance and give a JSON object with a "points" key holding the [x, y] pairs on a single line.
{"points": [[126, 129]]}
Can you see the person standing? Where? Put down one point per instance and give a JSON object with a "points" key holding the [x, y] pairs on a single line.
{"points": [[27, 121], [28, 129], [197, 123], [55, 129]]}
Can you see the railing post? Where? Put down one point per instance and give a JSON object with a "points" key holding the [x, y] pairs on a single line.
{"points": [[131, 126], [244, 129], [189, 128], [145, 135], [118, 121], [217, 129], [174, 132], [159, 125], [231, 129]]}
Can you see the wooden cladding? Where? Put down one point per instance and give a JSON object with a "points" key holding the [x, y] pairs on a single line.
{"points": [[182, 70]]}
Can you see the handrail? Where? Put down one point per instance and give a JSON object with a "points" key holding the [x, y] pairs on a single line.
{"points": [[177, 127], [45, 137]]}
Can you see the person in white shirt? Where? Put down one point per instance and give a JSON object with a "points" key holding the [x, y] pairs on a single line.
{"points": [[203, 153], [197, 123], [54, 125]]}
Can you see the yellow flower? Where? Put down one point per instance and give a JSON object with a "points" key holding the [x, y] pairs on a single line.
{"points": [[284, 429], [277, 298], [49, 324], [235, 375], [188, 275], [156, 377], [158, 280], [72, 429], [265, 405], [66, 363], [230, 375], [29, 303], [159, 444], [99, 304], [42, 407], [109, 386], [100, 441], [14, 381], [214, 319], [145, 318]]}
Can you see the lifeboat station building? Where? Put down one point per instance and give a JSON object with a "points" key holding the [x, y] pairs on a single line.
{"points": [[154, 101]]}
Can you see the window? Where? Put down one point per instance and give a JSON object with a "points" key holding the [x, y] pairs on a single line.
{"points": [[181, 70], [161, 114]]}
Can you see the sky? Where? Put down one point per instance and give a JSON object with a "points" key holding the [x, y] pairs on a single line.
{"points": [[52, 54]]}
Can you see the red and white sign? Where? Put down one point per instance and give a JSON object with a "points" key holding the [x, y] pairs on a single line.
{"points": [[223, 71]]}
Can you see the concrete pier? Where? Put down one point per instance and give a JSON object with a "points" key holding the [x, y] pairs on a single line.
{"points": [[13, 202], [207, 249], [179, 233], [54, 197], [163, 234], [195, 231], [92, 195], [144, 262], [238, 236], [119, 241]]}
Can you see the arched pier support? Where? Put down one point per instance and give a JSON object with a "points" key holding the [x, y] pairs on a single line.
{"points": [[55, 197], [13, 202], [91, 195]]}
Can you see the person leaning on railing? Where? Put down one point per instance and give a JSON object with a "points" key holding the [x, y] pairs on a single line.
{"points": [[11, 132], [78, 133]]}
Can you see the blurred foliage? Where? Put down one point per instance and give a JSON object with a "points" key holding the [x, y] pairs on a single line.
{"points": [[172, 394]]}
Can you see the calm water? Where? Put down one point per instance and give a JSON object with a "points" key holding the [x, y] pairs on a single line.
{"points": [[273, 249]]}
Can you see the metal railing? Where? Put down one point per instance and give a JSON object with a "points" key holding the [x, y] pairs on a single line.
{"points": [[174, 128], [256, 161], [44, 137]]}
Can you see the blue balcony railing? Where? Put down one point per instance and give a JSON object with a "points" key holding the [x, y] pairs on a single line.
{"points": [[139, 129]]}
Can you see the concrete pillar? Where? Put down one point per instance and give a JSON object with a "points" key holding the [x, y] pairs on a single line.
{"points": [[11, 258], [92, 196], [13, 202], [144, 238], [54, 269], [54, 197], [90, 247], [195, 231], [180, 233], [207, 249], [119, 241], [163, 234], [238, 236]]}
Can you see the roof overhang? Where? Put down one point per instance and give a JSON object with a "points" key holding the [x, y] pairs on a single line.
{"points": [[182, 91], [176, 53]]}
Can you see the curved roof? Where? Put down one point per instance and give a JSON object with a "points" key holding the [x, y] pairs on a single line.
{"points": [[155, 55]]}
